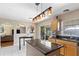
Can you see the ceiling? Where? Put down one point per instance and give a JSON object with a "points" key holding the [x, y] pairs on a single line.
{"points": [[26, 11]]}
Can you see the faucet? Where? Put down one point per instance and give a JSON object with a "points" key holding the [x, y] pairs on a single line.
{"points": [[71, 37]]}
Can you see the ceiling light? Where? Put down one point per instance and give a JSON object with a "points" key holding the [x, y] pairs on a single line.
{"points": [[37, 4], [43, 15]]}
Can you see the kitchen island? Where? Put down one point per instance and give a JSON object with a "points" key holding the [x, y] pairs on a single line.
{"points": [[42, 48]]}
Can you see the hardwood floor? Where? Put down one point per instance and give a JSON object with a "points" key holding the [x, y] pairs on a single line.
{"points": [[7, 41], [5, 44]]}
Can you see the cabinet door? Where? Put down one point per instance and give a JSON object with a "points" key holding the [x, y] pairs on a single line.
{"points": [[71, 50], [78, 51], [62, 50], [54, 25]]}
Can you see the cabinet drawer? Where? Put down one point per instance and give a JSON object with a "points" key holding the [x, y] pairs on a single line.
{"points": [[71, 43], [66, 42]]}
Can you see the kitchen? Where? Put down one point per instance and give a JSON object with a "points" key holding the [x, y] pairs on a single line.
{"points": [[64, 28], [55, 32]]}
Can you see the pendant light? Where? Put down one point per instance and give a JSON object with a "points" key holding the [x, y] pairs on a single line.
{"points": [[43, 14]]}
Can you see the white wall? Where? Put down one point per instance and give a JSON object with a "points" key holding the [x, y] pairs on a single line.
{"points": [[7, 26], [7, 29], [10, 24]]}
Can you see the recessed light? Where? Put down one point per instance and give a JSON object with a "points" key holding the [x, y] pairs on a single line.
{"points": [[37, 4]]}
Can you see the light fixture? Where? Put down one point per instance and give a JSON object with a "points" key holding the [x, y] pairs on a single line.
{"points": [[37, 4], [43, 14], [49, 11]]}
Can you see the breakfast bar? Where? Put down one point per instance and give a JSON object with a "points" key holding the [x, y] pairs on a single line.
{"points": [[46, 48], [23, 37]]}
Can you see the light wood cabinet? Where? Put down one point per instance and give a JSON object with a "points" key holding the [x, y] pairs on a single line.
{"points": [[54, 25], [78, 50], [62, 50], [69, 49], [70, 43]]}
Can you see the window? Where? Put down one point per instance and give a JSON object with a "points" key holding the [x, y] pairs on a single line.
{"points": [[72, 30]]}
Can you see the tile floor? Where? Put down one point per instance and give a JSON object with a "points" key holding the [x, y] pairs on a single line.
{"points": [[12, 51]]}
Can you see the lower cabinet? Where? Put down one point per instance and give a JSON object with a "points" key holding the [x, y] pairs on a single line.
{"points": [[69, 49], [78, 50], [62, 50]]}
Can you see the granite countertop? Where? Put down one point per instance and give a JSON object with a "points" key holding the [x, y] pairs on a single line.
{"points": [[44, 47], [69, 38]]}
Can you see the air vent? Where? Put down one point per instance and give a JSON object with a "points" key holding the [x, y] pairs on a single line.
{"points": [[66, 10]]}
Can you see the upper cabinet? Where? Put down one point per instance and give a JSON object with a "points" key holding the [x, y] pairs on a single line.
{"points": [[54, 25]]}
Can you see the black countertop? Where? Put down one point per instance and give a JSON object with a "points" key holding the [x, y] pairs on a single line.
{"points": [[45, 47], [69, 38]]}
